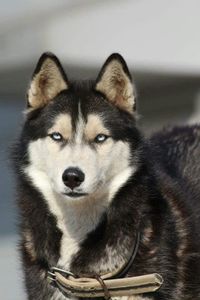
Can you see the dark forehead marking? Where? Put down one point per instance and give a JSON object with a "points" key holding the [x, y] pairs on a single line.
{"points": [[68, 102], [90, 101], [82, 95], [81, 91]]}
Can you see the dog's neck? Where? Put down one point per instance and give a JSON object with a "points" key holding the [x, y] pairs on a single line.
{"points": [[77, 220], [80, 217]]}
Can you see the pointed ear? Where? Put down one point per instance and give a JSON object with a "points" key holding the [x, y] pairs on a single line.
{"points": [[48, 80], [114, 81]]}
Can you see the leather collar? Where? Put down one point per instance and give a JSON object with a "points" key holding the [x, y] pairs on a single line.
{"points": [[108, 285]]}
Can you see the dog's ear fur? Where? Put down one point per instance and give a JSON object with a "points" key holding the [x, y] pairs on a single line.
{"points": [[48, 80], [115, 83]]}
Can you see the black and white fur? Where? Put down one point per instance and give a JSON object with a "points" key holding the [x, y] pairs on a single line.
{"points": [[130, 185]]}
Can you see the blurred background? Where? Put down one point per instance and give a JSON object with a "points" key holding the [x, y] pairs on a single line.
{"points": [[159, 40]]}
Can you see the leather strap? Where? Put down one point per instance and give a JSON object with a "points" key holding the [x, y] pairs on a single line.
{"points": [[91, 288], [107, 295]]}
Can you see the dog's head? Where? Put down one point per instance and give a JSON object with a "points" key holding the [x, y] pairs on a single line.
{"points": [[81, 138]]}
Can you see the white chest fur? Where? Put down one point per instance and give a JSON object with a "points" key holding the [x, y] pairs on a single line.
{"points": [[75, 220]]}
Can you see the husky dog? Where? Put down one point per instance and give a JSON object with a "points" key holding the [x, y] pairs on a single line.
{"points": [[88, 182]]}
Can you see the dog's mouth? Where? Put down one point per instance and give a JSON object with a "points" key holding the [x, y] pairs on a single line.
{"points": [[75, 195]]}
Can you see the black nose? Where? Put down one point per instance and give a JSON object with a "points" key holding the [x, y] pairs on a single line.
{"points": [[73, 177]]}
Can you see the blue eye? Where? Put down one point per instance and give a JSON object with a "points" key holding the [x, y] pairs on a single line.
{"points": [[100, 138], [56, 136]]}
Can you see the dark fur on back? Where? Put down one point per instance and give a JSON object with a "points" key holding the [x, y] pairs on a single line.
{"points": [[160, 200]]}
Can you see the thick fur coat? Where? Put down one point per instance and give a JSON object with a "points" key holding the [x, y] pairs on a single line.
{"points": [[129, 184]]}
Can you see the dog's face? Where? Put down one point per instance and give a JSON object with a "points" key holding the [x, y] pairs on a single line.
{"points": [[82, 139]]}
